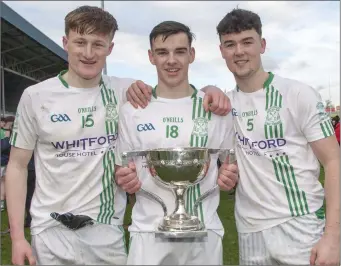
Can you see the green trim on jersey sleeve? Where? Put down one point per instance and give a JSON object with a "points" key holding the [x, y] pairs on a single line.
{"points": [[327, 128]]}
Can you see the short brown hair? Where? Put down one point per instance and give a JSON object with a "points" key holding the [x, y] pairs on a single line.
{"points": [[168, 28], [90, 19], [239, 20]]}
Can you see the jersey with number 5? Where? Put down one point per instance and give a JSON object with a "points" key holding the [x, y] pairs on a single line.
{"points": [[278, 169]]}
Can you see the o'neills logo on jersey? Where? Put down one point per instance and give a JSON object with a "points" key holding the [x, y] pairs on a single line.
{"points": [[267, 147], [85, 146]]}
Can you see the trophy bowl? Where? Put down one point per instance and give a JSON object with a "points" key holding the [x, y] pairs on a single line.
{"points": [[178, 166], [178, 169]]}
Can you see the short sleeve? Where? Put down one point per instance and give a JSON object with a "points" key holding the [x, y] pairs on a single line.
{"points": [[228, 141], [314, 121], [120, 86], [24, 133], [124, 141]]}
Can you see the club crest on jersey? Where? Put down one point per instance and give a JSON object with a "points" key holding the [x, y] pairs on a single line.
{"points": [[111, 112], [200, 127], [272, 116], [321, 111]]}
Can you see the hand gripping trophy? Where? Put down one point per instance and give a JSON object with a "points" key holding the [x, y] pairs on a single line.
{"points": [[178, 169]]}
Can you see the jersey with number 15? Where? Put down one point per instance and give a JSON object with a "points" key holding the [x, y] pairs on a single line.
{"points": [[73, 133]]}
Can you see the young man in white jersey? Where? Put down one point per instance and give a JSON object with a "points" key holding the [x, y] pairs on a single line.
{"points": [[282, 133], [170, 120], [70, 121]]}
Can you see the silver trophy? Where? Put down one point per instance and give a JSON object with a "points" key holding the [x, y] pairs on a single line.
{"points": [[178, 169]]}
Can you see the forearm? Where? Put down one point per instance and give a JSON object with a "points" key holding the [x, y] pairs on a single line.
{"points": [[16, 189], [332, 195]]}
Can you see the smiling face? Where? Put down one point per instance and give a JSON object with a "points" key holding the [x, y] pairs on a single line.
{"points": [[87, 53], [172, 57], [242, 52]]}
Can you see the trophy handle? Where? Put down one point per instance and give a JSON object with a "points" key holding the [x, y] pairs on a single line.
{"points": [[157, 198], [232, 159], [126, 157]]}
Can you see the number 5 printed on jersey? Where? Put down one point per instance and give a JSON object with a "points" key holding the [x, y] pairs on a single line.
{"points": [[87, 121]]}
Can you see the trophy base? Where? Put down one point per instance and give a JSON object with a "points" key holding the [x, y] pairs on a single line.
{"points": [[181, 234], [181, 226]]}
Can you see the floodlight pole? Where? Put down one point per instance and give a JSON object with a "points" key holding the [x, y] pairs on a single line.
{"points": [[105, 64]]}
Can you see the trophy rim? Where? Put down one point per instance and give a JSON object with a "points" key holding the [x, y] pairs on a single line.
{"points": [[179, 149]]}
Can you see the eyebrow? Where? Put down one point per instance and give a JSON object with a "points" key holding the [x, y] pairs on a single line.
{"points": [[164, 49], [243, 40]]}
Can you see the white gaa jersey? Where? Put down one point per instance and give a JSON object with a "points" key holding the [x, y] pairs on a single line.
{"points": [[73, 133], [169, 123], [278, 169]]}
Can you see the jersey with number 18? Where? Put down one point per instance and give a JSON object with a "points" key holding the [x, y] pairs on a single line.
{"points": [[73, 133], [169, 123]]}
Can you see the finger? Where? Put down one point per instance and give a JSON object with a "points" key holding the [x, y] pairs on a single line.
{"points": [[129, 99], [214, 104], [206, 102], [313, 256], [230, 182], [139, 94], [150, 89], [229, 175], [132, 166], [223, 186], [130, 184], [18, 261], [135, 188], [220, 109], [134, 96], [31, 259], [144, 90], [227, 105], [121, 180]]}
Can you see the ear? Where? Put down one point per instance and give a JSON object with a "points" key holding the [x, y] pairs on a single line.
{"points": [[221, 51], [151, 57], [110, 47], [65, 41], [263, 46], [192, 55]]}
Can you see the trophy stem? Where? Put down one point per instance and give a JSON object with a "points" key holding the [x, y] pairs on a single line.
{"points": [[180, 209]]}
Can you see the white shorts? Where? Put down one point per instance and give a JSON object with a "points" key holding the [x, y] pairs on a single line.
{"points": [[95, 244], [288, 243], [145, 248]]}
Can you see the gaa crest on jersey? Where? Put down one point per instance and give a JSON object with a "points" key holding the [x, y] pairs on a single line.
{"points": [[111, 112], [272, 116], [200, 127], [321, 111]]}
